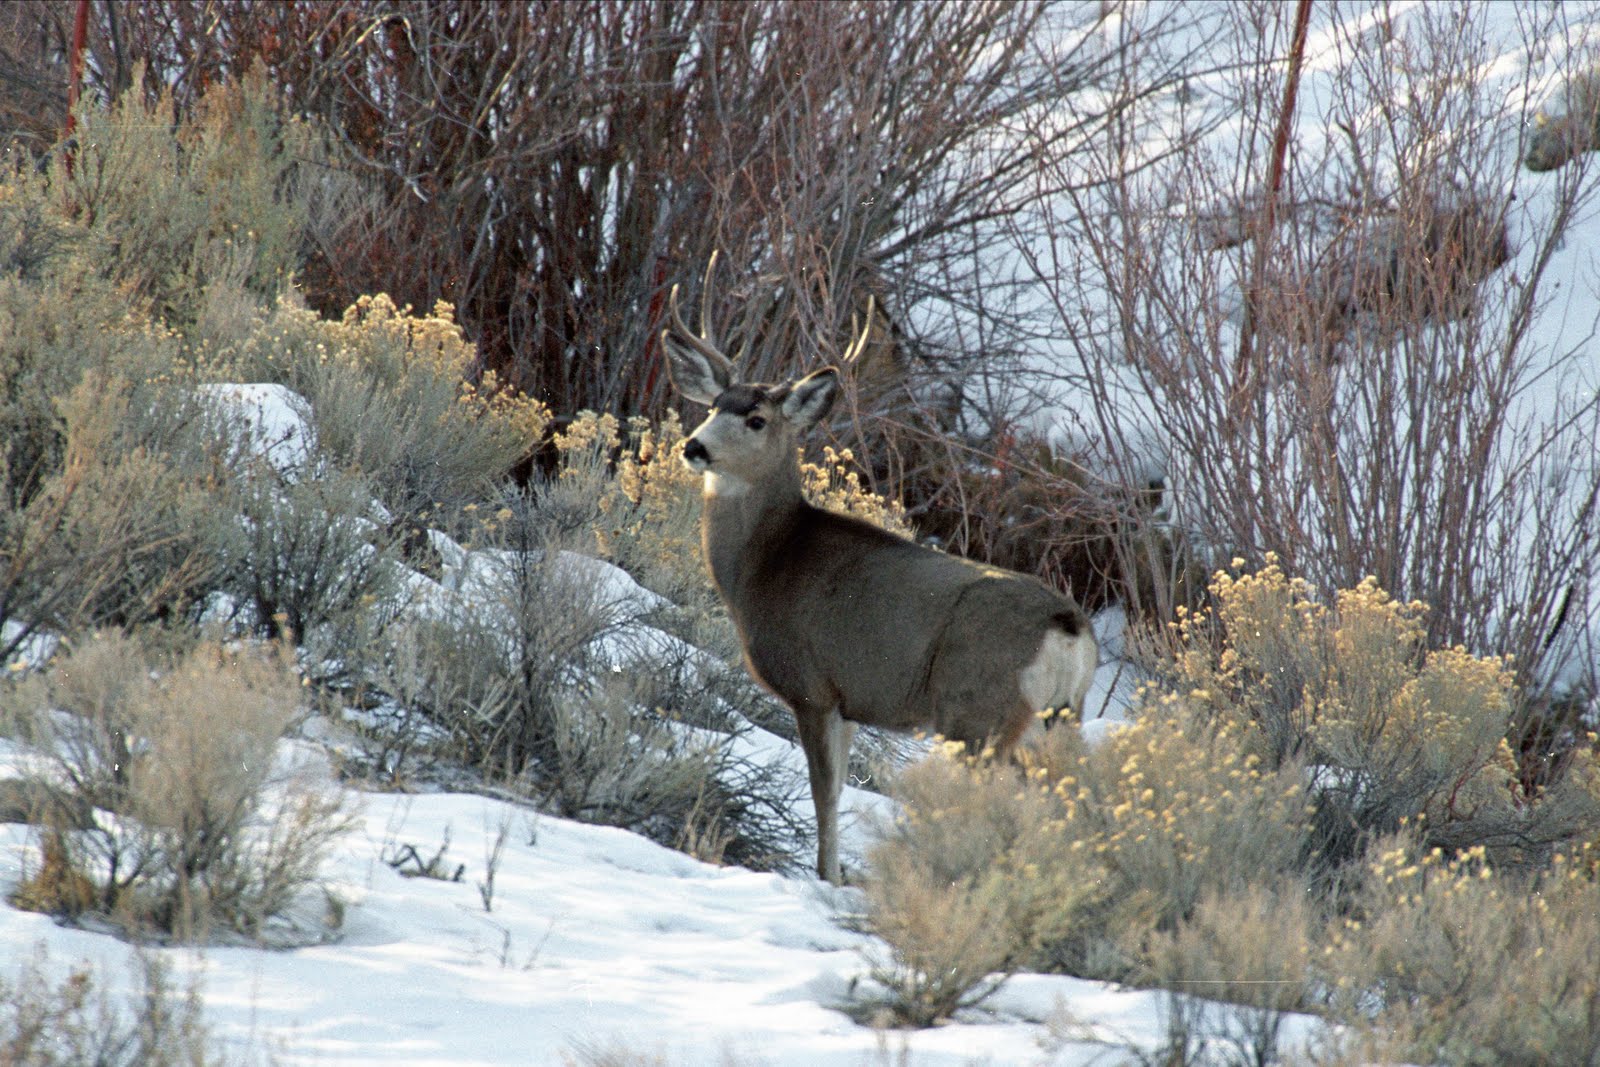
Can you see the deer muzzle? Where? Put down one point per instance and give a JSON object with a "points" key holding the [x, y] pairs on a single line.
{"points": [[695, 455]]}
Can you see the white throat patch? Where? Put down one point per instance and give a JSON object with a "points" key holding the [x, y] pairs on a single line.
{"points": [[720, 485]]}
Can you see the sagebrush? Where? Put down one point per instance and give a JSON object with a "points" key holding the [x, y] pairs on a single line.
{"points": [[199, 824], [1310, 811]]}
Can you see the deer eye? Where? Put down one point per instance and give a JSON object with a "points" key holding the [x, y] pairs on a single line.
{"points": [[755, 422]]}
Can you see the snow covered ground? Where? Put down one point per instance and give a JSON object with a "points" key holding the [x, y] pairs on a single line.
{"points": [[597, 939]]}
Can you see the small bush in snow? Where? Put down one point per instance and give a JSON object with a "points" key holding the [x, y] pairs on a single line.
{"points": [[199, 824], [394, 399], [49, 1023], [310, 563], [1235, 967], [1568, 126], [975, 880], [1175, 810]]}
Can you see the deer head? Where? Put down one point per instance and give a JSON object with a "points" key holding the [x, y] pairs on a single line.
{"points": [[752, 432]]}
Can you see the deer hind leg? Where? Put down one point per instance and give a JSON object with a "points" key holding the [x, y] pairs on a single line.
{"points": [[826, 736], [1004, 742]]}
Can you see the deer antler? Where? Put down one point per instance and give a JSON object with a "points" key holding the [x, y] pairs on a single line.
{"points": [[859, 345], [704, 343], [695, 341], [705, 300]]}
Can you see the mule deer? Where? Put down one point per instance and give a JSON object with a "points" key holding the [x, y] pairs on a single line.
{"points": [[847, 623]]}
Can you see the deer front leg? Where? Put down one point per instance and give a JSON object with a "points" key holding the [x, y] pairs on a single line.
{"points": [[825, 736]]}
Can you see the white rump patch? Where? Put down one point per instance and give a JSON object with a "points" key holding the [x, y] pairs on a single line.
{"points": [[1060, 674]]}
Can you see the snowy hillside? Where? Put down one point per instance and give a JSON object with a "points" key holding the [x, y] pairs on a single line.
{"points": [[597, 940], [551, 941]]}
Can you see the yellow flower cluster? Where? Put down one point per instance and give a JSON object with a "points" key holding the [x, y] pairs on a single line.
{"points": [[392, 343], [834, 484], [1350, 687]]}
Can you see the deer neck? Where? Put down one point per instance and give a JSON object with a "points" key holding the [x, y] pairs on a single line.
{"points": [[744, 524]]}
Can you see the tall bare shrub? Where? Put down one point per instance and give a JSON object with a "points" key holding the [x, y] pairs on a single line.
{"points": [[562, 165], [1351, 389]]}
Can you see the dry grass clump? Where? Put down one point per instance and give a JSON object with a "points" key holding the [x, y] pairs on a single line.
{"points": [[200, 825], [74, 1021]]}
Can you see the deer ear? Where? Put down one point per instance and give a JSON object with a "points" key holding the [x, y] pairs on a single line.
{"points": [[810, 398], [697, 372]]}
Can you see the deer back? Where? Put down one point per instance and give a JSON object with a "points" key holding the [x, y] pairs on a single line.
{"points": [[833, 611]]}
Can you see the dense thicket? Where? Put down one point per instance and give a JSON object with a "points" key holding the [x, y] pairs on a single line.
{"points": [[551, 168]]}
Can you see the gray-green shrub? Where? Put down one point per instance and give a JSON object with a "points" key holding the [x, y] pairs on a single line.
{"points": [[1391, 732], [125, 527], [1283, 738], [540, 677], [980, 876], [174, 208], [1445, 959], [200, 825], [308, 559], [392, 397]]}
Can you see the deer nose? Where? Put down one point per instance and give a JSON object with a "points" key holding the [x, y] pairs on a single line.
{"points": [[695, 452]]}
